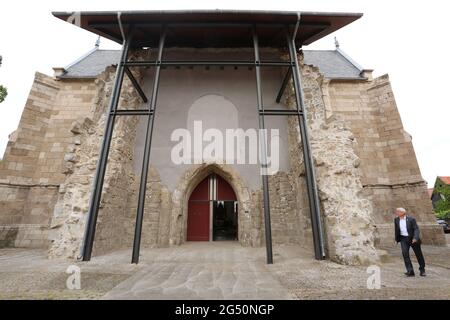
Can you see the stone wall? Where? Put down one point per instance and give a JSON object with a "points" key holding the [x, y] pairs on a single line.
{"points": [[365, 166], [19, 164], [390, 173], [165, 215], [285, 216], [30, 171], [68, 222], [157, 211], [346, 212], [249, 203], [298, 181]]}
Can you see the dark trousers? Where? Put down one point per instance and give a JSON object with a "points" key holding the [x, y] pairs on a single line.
{"points": [[406, 244]]}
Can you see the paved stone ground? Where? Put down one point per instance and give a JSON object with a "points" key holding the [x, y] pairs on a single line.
{"points": [[199, 271], [219, 270], [310, 279], [28, 274]]}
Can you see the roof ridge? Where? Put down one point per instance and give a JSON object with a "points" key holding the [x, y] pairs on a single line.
{"points": [[329, 50], [349, 59], [445, 179], [87, 54]]}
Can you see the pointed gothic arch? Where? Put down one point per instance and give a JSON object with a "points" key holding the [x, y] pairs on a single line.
{"points": [[248, 231]]}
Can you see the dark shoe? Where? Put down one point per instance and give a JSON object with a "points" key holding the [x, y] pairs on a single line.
{"points": [[410, 274], [423, 274]]}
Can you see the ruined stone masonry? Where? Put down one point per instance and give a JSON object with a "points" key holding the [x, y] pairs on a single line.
{"points": [[365, 167]]}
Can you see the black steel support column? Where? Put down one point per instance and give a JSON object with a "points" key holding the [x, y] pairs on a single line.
{"points": [[147, 148], [94, 204], [313, 196], [263, 151], [284, 84], [136, 84]]}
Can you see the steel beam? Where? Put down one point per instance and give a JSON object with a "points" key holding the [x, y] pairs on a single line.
{"points": [[131, 112], [263, 151], [225, 63], [94, 204], [147, 148], [284, 84], [181, 63], [206, 25], [314, 204], [278, 112], [136, 84]]}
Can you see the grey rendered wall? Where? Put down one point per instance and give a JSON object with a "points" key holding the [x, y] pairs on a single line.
{"points": [[223, 88]]}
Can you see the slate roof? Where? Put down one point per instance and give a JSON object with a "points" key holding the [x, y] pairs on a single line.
{"points": [[332, 63], [92, 64]]}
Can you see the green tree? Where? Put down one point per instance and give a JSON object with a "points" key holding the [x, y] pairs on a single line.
{"points": [[442, 207], [3, 93], [3, 90]]}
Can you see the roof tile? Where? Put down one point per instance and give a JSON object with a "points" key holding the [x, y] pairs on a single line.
{"points": [[331, 63], [445, 180]]}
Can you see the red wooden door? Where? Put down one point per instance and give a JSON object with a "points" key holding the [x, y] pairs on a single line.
{"points": [[224, 191], [198, 213], [199, 210], [198, 221]]}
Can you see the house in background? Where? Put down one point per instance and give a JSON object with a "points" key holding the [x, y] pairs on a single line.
{"points": [[439, 183]]}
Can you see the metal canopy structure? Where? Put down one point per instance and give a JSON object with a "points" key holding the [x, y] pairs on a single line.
{"points": [[162, 29], [186, 28]]}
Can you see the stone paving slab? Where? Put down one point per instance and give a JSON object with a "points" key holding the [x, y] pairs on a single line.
{"points": [[311, 279], [202, 271], [219, 270]]}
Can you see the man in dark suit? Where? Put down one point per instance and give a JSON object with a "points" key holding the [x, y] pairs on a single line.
{"points": [[408, 234]]}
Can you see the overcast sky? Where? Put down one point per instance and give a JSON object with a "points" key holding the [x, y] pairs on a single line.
{"points": [[407, 39]]}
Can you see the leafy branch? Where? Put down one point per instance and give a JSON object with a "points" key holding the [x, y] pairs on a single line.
{"points": [[3, 93], [442, 207]]}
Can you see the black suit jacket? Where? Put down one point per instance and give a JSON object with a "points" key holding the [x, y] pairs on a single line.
{"points": [[411, 226]]}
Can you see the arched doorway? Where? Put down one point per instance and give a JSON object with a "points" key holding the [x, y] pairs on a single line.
{"points": [[212, 211]]}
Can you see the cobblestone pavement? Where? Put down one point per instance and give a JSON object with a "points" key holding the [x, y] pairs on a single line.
{"points": [[219, 270]]}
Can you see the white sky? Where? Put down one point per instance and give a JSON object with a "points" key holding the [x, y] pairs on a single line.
{"points": [[407, 39]]}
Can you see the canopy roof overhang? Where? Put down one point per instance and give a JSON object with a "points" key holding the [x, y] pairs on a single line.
{"points": [[210, 28]]}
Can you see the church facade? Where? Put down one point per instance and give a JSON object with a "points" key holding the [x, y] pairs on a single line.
{"points": [[364, 161]]}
